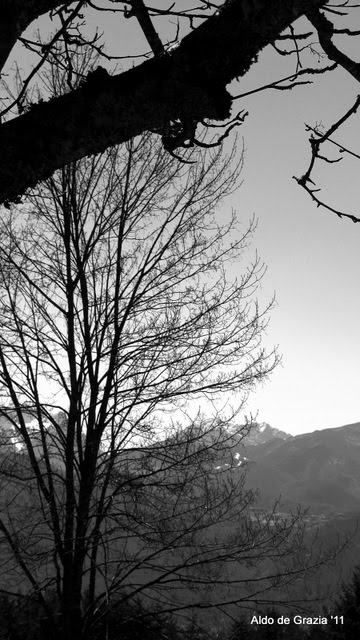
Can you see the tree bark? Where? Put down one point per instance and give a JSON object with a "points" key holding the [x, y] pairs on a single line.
{"points": [[188, 83]]}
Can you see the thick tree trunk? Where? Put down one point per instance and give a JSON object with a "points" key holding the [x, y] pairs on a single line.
{"points": [[71, 613], [188, 83]]}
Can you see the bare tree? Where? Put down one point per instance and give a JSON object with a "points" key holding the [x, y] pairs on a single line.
{"points": [[178, 86], [120, 335]]}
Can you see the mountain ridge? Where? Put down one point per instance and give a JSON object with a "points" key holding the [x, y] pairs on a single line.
{"points": [[320, 469]]}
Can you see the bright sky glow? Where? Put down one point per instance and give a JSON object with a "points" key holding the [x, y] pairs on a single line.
{"points": [[313, 257]]}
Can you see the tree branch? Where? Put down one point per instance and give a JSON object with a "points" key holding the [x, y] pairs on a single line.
{"points": [[315, 143], [326, 31], [185, 84], [139, 10]]}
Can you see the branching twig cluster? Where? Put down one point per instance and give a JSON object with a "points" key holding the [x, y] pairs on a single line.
{"points": [[316, 140]]}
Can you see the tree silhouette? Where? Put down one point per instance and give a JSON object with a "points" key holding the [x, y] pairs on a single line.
{"points": [[116, 313]]}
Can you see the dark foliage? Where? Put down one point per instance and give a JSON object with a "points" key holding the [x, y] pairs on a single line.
{"points": [[21, 618], [348, 606]]}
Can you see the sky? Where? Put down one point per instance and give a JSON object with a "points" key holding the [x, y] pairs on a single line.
{"points": [[312, 257]]}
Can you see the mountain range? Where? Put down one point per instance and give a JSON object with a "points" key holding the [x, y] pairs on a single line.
{"points": [[319, 469]]}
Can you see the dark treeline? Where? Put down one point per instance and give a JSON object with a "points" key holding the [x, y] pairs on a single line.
{"points": [[21, 618]]}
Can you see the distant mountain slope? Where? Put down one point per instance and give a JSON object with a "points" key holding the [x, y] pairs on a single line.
{"points": [[320, 469]]}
